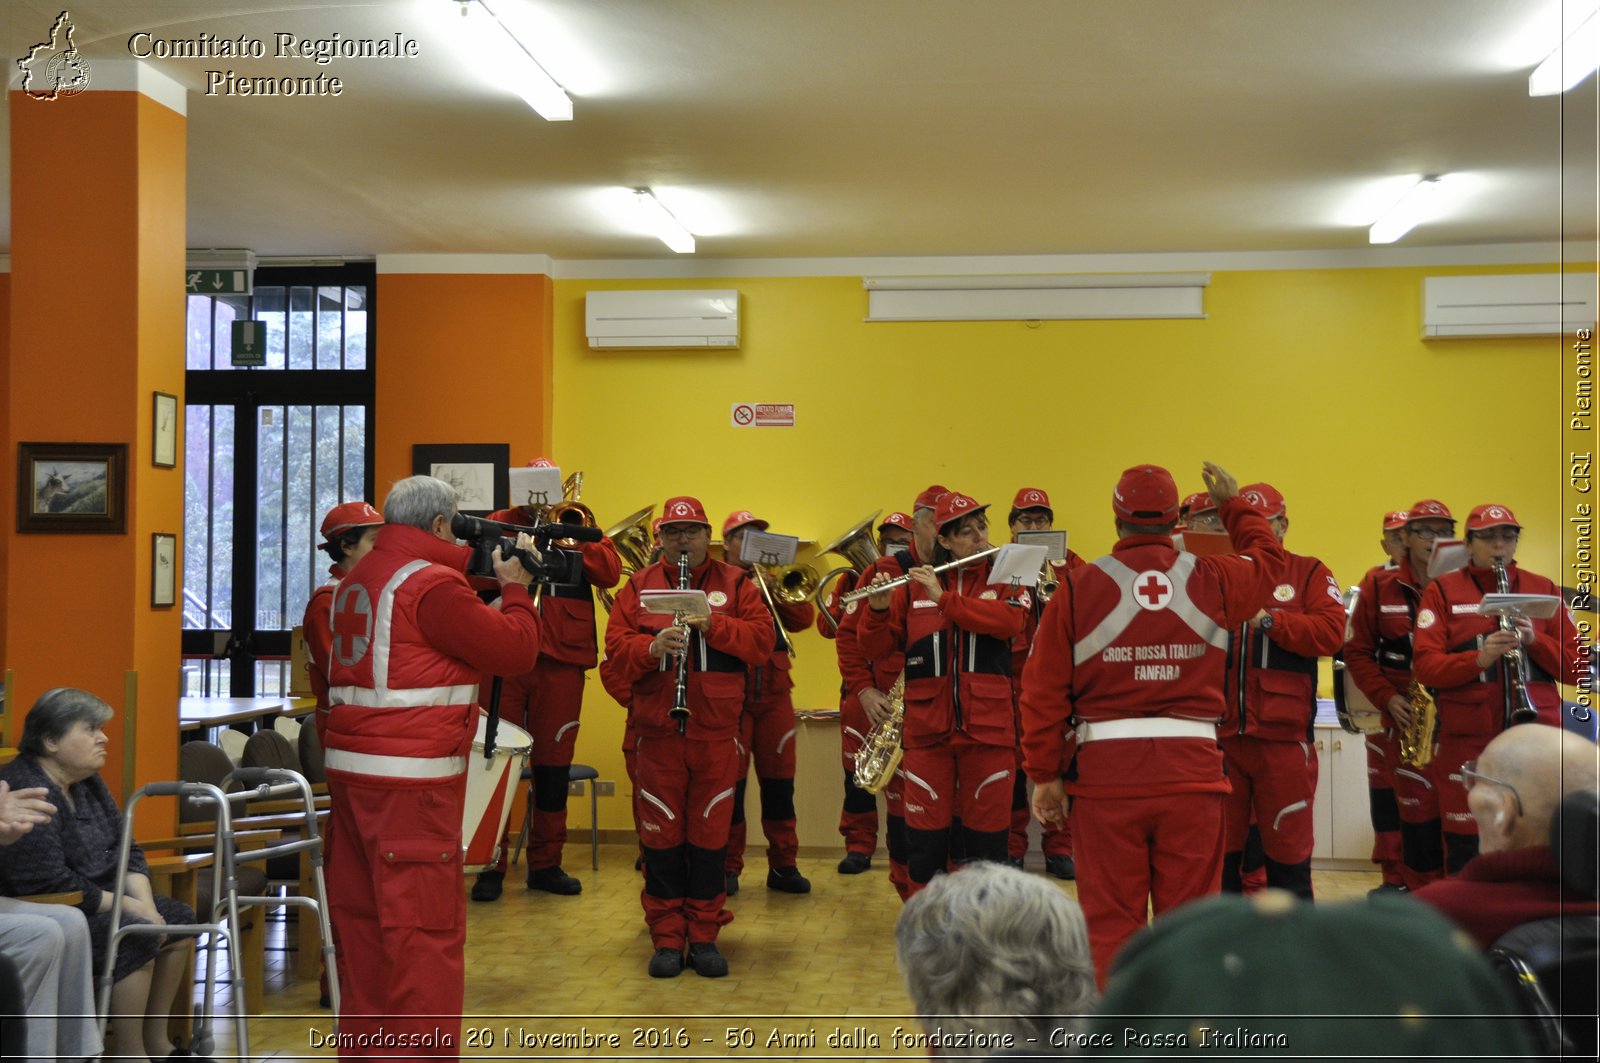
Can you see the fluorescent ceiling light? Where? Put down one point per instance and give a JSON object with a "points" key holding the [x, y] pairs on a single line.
{"points": [[499, 50], [1576, 58], [659, 220], [1415, 207]]}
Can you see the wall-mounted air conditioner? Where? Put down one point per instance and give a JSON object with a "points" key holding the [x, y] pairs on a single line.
{"points": [[1037, 297], [1512, 304], [685, 319]]}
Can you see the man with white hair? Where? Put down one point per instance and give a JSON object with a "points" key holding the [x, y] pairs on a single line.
{"points": [[994, 954], [1513, 789]]}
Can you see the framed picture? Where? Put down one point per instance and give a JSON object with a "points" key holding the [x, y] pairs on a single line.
{"points": [[163, 570], [164, 431], [72, 487], [478, 471]]}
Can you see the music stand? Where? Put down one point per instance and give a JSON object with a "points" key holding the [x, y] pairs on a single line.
{"points": [[1018, 564]]}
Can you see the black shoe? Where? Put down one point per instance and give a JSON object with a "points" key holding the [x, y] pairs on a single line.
{"points": [[553, 880], [1061, 867], [1395, 888], [731, 884], [788, 880], [666, 963], [1014, 861], [854, 863], [325, 1001], [488, 886], [706, 960]]}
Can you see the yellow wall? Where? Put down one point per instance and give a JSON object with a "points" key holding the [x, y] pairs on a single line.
{"points": [[1314, 380]]}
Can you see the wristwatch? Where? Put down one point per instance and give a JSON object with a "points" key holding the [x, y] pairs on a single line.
{"points": [[1266, 621]]}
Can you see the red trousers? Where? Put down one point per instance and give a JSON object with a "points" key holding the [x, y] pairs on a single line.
{"points": [[1136, 853], [396, 899], [767, 737], [1276, 782], [961, 779], [1421, 834], [857, 824], [1053, 841], [684, 804], [1382, 755], [546, 703]]}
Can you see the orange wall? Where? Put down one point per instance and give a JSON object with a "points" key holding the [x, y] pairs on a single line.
{"points": [[97, 250], [466, 359], [8, 492]]}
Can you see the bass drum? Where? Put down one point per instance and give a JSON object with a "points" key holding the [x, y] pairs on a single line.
{"points": [[491, 788]]}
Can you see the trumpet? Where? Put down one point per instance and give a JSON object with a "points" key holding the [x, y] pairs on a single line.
{"points": [[1048, 583], [857, 595], [1514, 665]]}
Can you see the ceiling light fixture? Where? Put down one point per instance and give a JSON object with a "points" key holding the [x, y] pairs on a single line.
{"points": [[1576, 58], [659, 220], [1412, 209], [497, 46]]}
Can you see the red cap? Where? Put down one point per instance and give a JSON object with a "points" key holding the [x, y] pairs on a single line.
{"points": [[1189, 501], [540, 463], [684, 509], [929, 499], [1202, 502], [1146, 494], [896, 520], [1429, 509], [1394, 519], [953, 505], [347, 516], [1264, 499], [1491, 515], [739, 518], [655, 527], [1031, 498]]}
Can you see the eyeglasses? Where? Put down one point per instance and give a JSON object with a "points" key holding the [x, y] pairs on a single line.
{"points": [[1498, 535], [1422, 531], [1470, 776], [1034, 520], [682, 531]]}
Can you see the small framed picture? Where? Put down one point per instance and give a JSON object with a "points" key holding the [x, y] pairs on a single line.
{"points": [[164, 431], [72, 487], [478, 471], [163, 570]]}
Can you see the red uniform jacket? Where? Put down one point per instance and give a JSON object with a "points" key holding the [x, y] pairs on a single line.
{"points": [[957, 655], [1277, 698], [317, 631], [772, 676], [830, 605], [1450, 632], [409, 641], [567, 613], [1154, 649], [1378, 653], [1022, 645], [740, 638], [857, 669]]}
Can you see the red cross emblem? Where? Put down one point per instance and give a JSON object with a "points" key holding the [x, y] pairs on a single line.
{"points": [[682, 509], [1494, 512], [1152, 590], [352, 624]]}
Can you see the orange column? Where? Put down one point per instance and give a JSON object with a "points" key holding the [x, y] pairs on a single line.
{"points": [[461, 358], [97, 326]]}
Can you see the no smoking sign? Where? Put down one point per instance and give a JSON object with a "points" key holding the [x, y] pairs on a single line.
{"points": [[763, 415]]}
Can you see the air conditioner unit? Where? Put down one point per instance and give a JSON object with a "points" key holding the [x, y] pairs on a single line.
{"points": [[682, 319], [1514, 304]]}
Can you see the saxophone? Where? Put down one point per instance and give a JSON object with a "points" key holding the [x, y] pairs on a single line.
{"points": [[1416, 741], [879, 755]]}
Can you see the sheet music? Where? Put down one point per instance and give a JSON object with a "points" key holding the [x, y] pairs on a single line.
{"points": [[1532, 606], [768, 548], [1448, 555], [689, 603], [1054, 542], [1017, 563], [534, 487]]}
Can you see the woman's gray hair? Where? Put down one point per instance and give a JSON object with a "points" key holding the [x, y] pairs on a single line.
{"points": [[57, 712], [996, 950], [416, 500]]}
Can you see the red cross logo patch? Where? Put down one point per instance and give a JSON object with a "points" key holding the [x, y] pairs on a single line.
{"points": [[352, 624], [1494, 513], [1152, 590], [681, 509]]}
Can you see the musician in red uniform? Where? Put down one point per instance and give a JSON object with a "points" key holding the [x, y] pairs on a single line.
{"points": [[865, 682], [1267, 736], [410, 640], [1377, 659], [687, 768], [546, 699], [767, 732], [348, 532], [1460, 654], [960, 734], [1030, 511], [1131, 650], [858, 816]]}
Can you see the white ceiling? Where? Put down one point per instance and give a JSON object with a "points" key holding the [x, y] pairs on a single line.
{"points": [[801, 128]]}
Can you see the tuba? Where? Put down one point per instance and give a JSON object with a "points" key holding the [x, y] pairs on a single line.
{"points": [[1416, 741], [855, 546], [633, 540], [879, 755], [1513, 666]]}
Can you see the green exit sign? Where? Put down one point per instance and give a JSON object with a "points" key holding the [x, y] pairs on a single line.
{"points": [[249, 343], [216, 281]]}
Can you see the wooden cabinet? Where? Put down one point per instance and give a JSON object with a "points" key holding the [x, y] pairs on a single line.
{"points": [[1343, 821]]}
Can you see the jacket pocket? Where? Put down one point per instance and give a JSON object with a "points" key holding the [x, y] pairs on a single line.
{"points": [[419, 881], [1282, 699]]}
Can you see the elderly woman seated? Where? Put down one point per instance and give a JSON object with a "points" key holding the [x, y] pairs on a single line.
{"points": [[995, 959], [62, 750]]}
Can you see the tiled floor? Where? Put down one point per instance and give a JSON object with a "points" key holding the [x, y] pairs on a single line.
{"points": [[540, 966]]}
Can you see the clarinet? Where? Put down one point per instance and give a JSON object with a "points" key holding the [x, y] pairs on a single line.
{"points": [[680, 696], [1519, 708]]}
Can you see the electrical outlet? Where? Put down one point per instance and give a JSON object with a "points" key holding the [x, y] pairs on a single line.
{"points": [[602, 788]]}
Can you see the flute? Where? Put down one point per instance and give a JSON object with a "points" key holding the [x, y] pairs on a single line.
{"points": [[898, 581]]}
